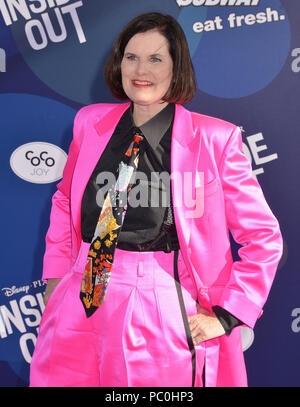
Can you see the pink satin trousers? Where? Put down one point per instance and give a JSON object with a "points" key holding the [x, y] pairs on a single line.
{"points": [[138, 337]]}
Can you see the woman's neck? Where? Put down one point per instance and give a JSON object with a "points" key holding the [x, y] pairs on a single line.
{"points": [[143, 113]]}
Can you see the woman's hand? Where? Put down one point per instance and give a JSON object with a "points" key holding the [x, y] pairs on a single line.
{"points": [[51, 284], [204, 325]]}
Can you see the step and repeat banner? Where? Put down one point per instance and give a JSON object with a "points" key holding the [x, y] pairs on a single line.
{"points": [[246, 55]]}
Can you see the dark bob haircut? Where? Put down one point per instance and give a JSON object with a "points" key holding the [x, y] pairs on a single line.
{"points": [[183, 85]]}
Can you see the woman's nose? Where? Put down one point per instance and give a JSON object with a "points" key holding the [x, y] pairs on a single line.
{"points": [[141, 67]]}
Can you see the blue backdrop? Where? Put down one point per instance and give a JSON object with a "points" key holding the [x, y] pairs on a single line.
{"points": [[247, 63]]}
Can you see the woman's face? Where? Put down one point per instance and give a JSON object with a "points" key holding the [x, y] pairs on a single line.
{"points": [[147, 68]]}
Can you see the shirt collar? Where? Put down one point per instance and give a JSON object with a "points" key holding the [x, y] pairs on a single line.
{"points": [[155, 128]]}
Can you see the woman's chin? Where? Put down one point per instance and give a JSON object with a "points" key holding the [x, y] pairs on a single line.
{"points": [[147, 102]]}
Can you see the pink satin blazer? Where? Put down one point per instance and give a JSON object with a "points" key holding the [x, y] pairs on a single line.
{"points": [[213, 192]]}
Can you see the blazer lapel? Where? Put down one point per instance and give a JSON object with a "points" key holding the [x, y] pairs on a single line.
{"points": [[94, 142], [184, 148]]}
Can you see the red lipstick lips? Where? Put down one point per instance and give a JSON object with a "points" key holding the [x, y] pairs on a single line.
{"points": [[141, 84]]}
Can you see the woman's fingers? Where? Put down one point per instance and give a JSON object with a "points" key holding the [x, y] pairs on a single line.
{"points": [[204, 326], [51, 284]]}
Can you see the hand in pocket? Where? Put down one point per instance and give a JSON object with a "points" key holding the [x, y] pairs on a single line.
{"points": [[51, 284], [204, 325]]}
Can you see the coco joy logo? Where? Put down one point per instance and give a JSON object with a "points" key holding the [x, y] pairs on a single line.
{"points": [[51, 27], [38, 162]]}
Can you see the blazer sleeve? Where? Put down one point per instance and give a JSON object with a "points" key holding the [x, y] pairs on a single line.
{"points": [[255, 228], [57, 257]]}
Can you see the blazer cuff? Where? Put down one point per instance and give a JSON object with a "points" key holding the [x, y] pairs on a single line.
{"points": [[240, 306], [58, 269], [227, 320]]}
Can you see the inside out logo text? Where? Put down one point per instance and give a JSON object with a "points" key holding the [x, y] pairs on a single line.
{"points": [[21, 315], [45, 19]]}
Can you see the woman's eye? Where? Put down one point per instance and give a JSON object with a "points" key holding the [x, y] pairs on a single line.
{"points": [[155, 59], [130, 57]]}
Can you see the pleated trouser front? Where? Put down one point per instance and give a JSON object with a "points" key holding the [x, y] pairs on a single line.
{"points": [[139, 337]]}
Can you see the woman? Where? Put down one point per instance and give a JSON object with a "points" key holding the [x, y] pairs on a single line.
{"points": [[148, 293]]}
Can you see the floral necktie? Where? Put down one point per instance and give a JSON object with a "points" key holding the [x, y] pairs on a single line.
{"points": [[101, 252]]}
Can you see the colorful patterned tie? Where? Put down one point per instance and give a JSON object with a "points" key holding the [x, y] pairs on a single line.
{"points": [[101, 253]]}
